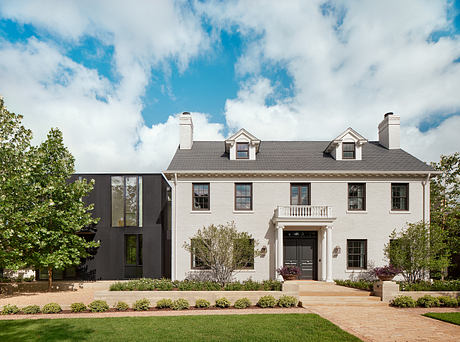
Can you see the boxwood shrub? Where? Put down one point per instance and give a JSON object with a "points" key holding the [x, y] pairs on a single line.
{"points": [[202, 303], [267, 302], [428, 301], [436, 285], [9, 309], [164, 303], [141, 305], [31, 309], [287, 301], [403, 302], [357, 284], [51, 308], [77, 307], [448, 301], [180, 304], [222, 302], [98, 306], [121, 306], [242, 303]]}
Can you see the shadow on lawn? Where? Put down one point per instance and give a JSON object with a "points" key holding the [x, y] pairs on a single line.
{"points": [[42, 330]]}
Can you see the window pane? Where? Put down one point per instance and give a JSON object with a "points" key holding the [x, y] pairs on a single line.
{"points": [[139, 256], [200, 196], [117, 201], [243, 203], [294, 195], [131, 249], [131, 201], [243, 190], [140, 201], [242, 150], [304, 195], [356, 253]]}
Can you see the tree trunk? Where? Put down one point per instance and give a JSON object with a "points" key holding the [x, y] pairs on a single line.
{"points": [[50, 278]]}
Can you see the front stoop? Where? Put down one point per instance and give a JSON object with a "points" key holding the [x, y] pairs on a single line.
{"points": [[314, 293]]}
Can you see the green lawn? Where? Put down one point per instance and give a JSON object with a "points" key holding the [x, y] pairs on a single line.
{"points": [[451, 317], [266, 327]]}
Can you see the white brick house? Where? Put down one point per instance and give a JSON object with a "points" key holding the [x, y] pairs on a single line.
{"points": [[326, 206]]}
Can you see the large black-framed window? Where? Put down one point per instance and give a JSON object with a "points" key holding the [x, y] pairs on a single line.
{"points": [[126, 201], [242, 150], [357, 254], [400, 196], [356, 196], [300, 194], [243, 196], [200, 196], [348, 150], [133, 255]]}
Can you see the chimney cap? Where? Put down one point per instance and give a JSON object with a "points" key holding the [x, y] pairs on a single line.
{"points": [[387, 114], [185, 113]]}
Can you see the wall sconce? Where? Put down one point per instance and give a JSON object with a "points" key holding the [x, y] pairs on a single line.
{"points": [[263, 251], [336, 251]]}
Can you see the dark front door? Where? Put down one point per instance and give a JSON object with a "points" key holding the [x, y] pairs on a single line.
{"points": [[300, 249]]}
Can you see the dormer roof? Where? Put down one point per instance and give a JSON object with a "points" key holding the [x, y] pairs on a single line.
{"points": [[350, 132], [241, 133]]}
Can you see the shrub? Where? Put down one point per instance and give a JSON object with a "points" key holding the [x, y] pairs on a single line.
{"points": [[272, 285], [51, 308], [141, 305], [9, 309], [403, 302], [357, 284], [235, 286], [251, 285], [267, 302], [428, 301], [98, 306], [121, 306], [164, 303], [29, 279], [202, 303], [448, 301], [222, 302], [242, 303], [287, 301], [437, 285], [77, 307], [180, 304], [31, 309]]}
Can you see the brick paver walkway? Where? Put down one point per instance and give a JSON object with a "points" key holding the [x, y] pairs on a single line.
{"points": [[384, 323]]}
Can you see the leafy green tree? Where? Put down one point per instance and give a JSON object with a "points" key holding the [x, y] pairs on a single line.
{"points": [[222, 250], [417, 250], [59, 210]]}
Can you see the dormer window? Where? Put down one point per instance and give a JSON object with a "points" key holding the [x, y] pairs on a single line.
{"points": [[348, 150], [242, 150]]}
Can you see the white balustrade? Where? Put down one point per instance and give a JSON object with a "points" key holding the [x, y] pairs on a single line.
{"points": [[308, 211]]}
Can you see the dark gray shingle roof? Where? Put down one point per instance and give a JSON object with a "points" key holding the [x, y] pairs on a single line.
{"points": [[293, 156]]}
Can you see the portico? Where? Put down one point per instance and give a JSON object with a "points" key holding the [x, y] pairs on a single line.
{"points": [[296, 227]]}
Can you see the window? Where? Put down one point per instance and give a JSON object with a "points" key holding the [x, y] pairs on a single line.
{"points": [[197, 262], [243, 254], [399, 196], [357, 254], [133, 256], [356, 196], [126, 201], [200, 196], [348, 150], [243, 196], [242, 150], [300, 194]]}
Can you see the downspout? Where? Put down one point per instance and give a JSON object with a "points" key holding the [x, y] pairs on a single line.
{"points": [[173, 224], [425, 193]]}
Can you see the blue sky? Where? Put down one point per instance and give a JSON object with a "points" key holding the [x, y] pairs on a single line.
{"points": [[283, 71]]}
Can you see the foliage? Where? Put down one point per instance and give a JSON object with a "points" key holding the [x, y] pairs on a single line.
{"points": [[428, 301], [202, 303], [164, 303], [223, 250], [437, 285], [287, 301], [222, 302], [180, 304], [417, 249], [31, 309], [242, 303], [448, 301], [121, 306], [98, 306], [266, 302], [9, 309], [450, 317], [445, 200], [403, 302], [386, 271], [141, 305], [77, 307], [146, 284], [51, 308], [288, 271], [357, 284]]}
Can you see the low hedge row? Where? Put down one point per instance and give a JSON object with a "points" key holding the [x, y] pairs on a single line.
{"points": [[426, 301], [144, 305], [436, 285], [357, 284], [147, 284]]}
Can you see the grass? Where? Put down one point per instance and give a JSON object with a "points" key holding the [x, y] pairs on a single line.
{"points": [[450, 317], [263, 327]]}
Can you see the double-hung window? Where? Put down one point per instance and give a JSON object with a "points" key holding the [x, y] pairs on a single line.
{"points": [[243, 196], [348, 150], [357, 254], [356, 196], [200, 196], [399, 196], [126, 201], [242, 150]]}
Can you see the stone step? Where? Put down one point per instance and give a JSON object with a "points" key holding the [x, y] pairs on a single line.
{"points": [[341, 301], [334, 293]]}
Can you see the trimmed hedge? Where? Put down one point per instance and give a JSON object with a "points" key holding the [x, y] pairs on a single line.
{"points": [[403, 302], [428, 301], [437, 285], [357, 284]]}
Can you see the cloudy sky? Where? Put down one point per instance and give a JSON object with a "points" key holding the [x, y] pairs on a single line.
{"points": [[113, 75]]}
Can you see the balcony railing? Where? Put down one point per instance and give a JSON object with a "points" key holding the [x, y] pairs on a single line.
{"points": [[303, 211]]}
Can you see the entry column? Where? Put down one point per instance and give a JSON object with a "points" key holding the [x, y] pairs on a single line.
{"points": [[329, 253], [323, 254], [280, 252]]}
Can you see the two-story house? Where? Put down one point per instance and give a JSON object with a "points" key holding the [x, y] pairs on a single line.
{"points": [[326, 206]]}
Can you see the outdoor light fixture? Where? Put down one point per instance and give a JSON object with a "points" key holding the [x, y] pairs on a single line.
{"points": [[263, 250], [336, 251]]}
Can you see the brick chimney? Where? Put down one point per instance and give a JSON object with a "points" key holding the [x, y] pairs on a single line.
{"points": [[186, 131], [389, 131]]}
